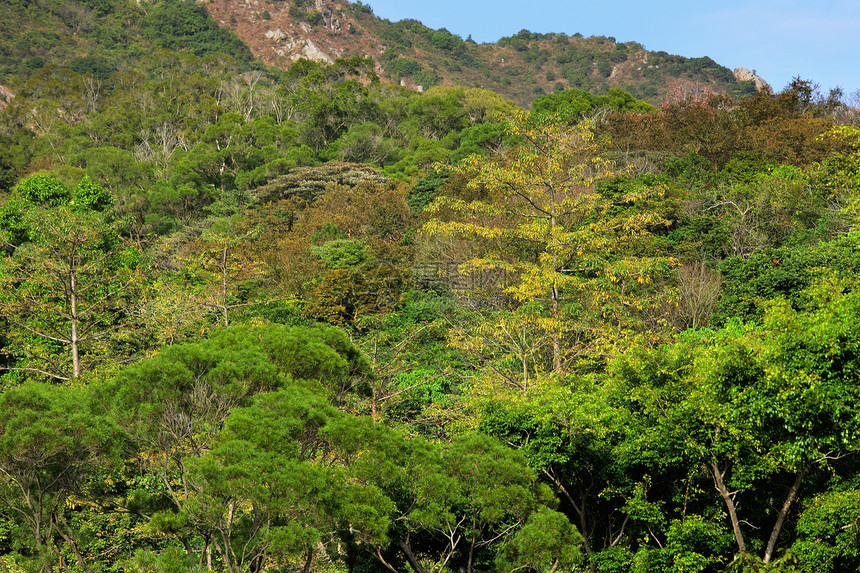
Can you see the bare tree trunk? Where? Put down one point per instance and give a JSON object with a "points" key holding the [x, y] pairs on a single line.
{"points": [[410, 556], [730, 505], [556, 339], [525, 361], [780, 518], [73, 309], [60, 523], [224, 285], [583, 526], [309, 561], [382, 560], [208, 551], [471, 548]]}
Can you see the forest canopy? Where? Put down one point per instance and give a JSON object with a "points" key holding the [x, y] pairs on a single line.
{"points": [[258, 319]]}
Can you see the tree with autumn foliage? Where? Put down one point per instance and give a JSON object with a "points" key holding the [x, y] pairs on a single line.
{"points": [[544, 222], [221, 263]]}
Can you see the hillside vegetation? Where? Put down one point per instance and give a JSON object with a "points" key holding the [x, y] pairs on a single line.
{"points": [[296, 318], [98, 36]]}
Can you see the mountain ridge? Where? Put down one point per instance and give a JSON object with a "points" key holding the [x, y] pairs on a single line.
{"points": [[521, 67], [102, 37]]}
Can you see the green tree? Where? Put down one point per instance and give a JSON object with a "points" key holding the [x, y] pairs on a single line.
{"points": [[276, 485], [174, 407], [50, 446], [458, 502], [568, 432], [68, 278], [547, 542], [493, 494], [763, 409], [829, 532]]}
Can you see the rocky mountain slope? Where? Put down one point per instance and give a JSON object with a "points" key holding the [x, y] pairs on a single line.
{"points": [[102, 37], [521, 67]]}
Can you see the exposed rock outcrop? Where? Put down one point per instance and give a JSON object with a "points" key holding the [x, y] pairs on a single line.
{"points": [[6, 96], [745, 75], [275, 35], [311, 51]]}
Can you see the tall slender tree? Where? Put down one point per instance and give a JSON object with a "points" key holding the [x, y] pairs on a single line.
{"points": [[67, 277]]}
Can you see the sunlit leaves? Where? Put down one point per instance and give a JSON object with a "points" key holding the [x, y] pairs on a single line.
{"points": [[542, 219]]}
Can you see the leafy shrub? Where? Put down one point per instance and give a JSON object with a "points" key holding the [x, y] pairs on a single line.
{"points": [[42, 188], [100, 68], [314, 18], [425, 190], [445, 40], [361, 7], [403, 67], [783, 272], [341, 253], [184, 25]]}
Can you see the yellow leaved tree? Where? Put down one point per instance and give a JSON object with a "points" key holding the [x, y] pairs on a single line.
{"points": [[580, 249]]}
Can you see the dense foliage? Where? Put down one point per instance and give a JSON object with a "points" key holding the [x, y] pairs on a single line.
{"points": [[263, 320]]}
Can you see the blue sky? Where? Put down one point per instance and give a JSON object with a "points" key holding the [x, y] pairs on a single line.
{"points": [[818, 40]]}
